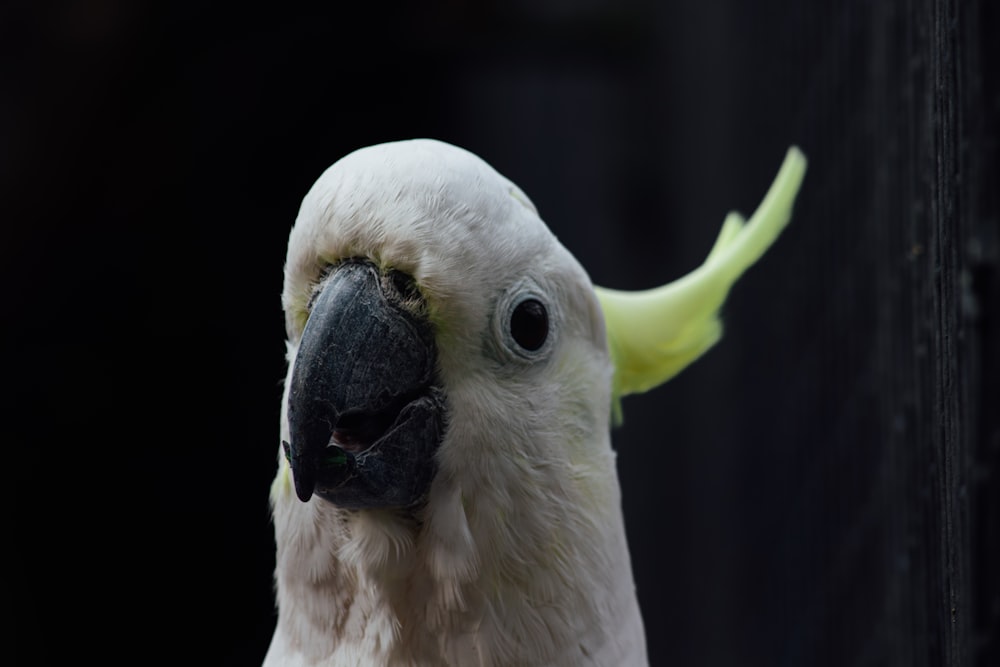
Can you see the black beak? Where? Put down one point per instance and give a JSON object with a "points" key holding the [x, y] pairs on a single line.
{"points": [[365, 417]]}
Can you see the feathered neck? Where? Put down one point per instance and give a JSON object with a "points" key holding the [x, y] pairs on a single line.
{"points": [[534, 571]]}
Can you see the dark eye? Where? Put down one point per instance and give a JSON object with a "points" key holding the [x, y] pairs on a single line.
{"points": [[529, 324]]}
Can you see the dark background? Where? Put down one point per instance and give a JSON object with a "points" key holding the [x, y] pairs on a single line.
{"points": [[821, 489]]}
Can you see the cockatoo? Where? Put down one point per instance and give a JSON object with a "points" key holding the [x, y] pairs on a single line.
{"points": [[446, 490]]}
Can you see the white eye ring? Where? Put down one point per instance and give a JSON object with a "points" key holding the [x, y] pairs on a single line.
{"points": [[524, 324]]}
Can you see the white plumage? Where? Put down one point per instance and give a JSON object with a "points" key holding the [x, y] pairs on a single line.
{"points": [[518, 554]]}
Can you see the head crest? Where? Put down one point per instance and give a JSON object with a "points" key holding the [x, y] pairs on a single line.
{"points": [[654, 334]]}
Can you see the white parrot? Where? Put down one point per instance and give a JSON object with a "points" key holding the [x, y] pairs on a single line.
{"points": [[446, 492]]}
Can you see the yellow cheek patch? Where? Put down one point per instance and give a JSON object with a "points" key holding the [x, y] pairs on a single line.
{"points": [[282, 484], [654, 334]]}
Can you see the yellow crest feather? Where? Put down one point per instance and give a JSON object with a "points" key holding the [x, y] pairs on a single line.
{"points": [[654, 334]]}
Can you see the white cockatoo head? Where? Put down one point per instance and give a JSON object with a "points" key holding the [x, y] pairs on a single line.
{"points": [[425, 302], [423, 291]]}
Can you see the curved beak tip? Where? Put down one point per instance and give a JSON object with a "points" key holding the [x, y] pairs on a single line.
{"points": [[303, 492], [302, 476]]}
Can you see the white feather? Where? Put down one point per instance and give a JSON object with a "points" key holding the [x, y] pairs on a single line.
{"points": [[519, 557]]}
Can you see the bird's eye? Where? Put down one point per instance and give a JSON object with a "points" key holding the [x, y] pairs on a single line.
{"points": [[529, 324]]}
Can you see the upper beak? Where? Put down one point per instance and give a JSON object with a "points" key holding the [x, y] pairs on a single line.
{"points": [[364, 416]]}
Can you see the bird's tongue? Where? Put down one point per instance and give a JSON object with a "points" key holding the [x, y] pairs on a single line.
{"points": [[357, 431]]}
